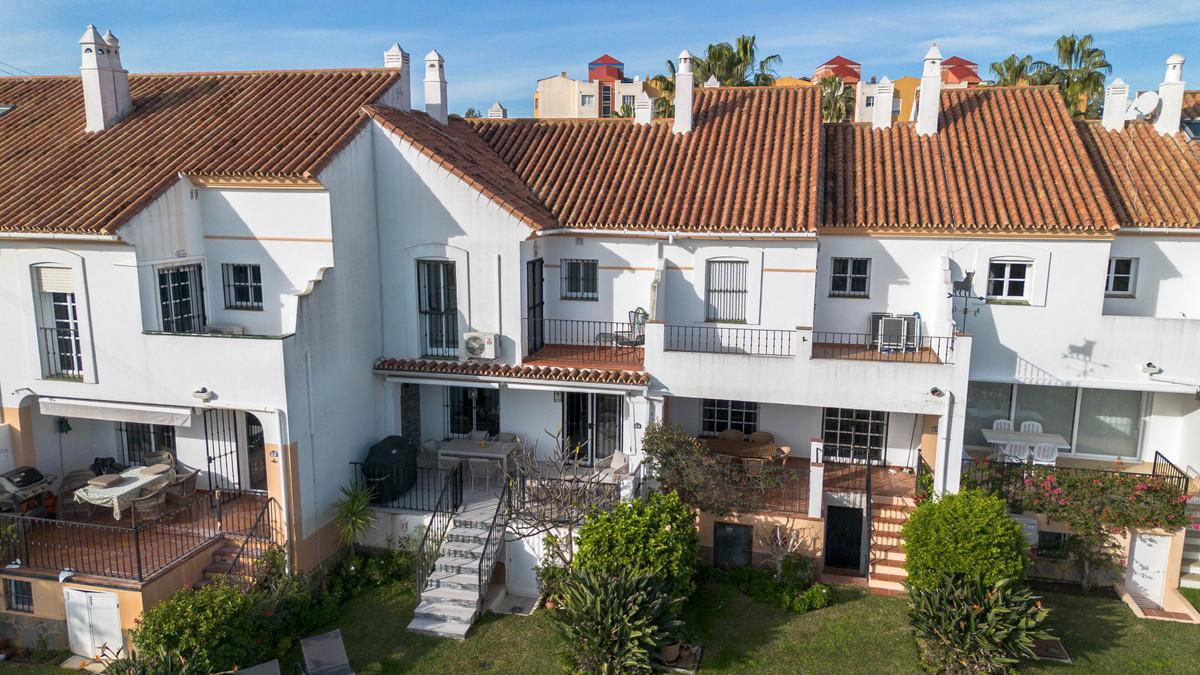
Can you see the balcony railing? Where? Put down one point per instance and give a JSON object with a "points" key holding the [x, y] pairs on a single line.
{"points": [[63, 356], [867, 347], [580, 342], [1008, 480], [559, 500], [398, 487], [439, 333], [722, 340]]}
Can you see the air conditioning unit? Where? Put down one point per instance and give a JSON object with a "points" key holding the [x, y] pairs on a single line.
{"points": [[480, 345], [213, 329], [911, 331]]}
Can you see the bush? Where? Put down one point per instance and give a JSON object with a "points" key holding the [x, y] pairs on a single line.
{"points": [[217, 623], [615, 622], [967, 533], [794, 592], [968, 625], [152, 663], [685, 465], [657, 535]]}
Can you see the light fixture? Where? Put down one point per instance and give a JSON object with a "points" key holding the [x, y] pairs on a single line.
{"points": [[203, 394], [65, 574], [1151, 369], [936, 391]]}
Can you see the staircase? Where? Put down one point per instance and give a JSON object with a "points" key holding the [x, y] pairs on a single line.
{"points": [[1189, 571], [222, 564], [452, 599], [885, 566]]}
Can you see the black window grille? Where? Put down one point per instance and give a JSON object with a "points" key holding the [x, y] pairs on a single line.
{"points": [[181, 299], [718, 415], [437, 297], [472, 409], [580, 279], [243, 286], [138, 440], [18, 596], [60, 340], [854, 434], [725, 290], [850, 277]]}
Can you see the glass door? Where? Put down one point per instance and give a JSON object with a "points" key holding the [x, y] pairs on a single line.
{"points": [[438, 306], [591, 426], [535, 314]]}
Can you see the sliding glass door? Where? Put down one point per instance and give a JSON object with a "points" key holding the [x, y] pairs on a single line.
{"points": [[591, 425], [472, 409]]}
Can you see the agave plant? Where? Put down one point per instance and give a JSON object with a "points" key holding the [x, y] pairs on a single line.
{"points": [[353, 514]]}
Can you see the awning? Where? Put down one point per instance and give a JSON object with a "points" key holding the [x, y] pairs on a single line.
{"points": [[116, 412]]}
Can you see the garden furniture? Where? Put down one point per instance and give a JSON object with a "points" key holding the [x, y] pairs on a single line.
{"points": [[325, 654]]}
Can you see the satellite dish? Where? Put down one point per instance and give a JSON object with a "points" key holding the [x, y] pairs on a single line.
{"points": [[1143, 106]]}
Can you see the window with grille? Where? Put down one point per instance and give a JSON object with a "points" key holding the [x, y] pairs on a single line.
{"points": [[717, 415], [18, 596], [138, 440], [181, 299], [58, 327], [850, 277], [580, 279], [472, 409], [726, 290], [1008, 280], [1122, 277], [854, 434], [243, 286], [627, 101]]}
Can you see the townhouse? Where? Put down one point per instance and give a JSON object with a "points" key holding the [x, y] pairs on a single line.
{"points": [[261, 275]]}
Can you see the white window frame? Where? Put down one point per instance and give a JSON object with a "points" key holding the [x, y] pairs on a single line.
{"points": [[721, 412], [850, 276], [1112, 274], [739, 271], [1008, 279], [586, 100]]}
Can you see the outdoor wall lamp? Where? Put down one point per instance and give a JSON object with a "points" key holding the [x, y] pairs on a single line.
{"points": [[937, 391]]}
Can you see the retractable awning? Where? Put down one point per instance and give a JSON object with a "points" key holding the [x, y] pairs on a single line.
{"points": [[116, 412]]}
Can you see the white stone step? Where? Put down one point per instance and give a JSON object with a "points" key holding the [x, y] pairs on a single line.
{"points": [[451, 596], [457, 564], [456, 630], [1190, 581], [445, 611], [448, 579], [460, 549], [467, 534]]}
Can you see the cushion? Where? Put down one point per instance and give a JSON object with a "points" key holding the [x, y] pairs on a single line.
{"points": [[618, 462], [732, 435], [106, 481], [157, 469]]}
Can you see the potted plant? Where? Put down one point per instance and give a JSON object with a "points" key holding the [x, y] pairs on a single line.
{"points": [[669, 653]]}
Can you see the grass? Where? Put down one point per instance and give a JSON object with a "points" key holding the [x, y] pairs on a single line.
{"points": [[1192, 595]]}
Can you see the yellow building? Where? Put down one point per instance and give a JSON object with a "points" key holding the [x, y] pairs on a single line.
{"points": [[793, 82]]}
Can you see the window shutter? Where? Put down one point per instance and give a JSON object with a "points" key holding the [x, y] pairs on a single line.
{"points": [[56, 279]]}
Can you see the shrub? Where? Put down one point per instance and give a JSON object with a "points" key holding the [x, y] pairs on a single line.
{"points": [[614, 622], [353, 514], [968, 625], [967, 533], [685, 465], [643, 536], [216, 623], [157, 662], [794, 592]]}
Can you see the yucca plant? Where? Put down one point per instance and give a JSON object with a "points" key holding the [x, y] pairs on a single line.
{"points": [[966, 625], [353, 514], [615, 622]]}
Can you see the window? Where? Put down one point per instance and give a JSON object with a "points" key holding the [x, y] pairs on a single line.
{"points": [[1122, 277], [5, 107], [243, 286], [181, 299], [472, 409], [18, 596], [1110, 422], [854, 434], [579, 280], [627, 101], [717, 415], [586, 100], [605, 100], [1052, 545], [870, 101], [138, 440], [725, 290], [986, 403], [1052, 407], [850, 277], [59, 329], [1008, 280], [437, 297]]}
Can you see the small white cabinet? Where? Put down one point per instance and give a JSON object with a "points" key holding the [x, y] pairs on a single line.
{"points": [[93, 623]]}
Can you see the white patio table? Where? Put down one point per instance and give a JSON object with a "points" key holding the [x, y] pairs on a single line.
{"points": [[466, 448], [995, 437], [121, 495]]}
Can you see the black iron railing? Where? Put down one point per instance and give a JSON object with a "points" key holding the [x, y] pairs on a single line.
{"points": [[866, 347], [491, 546], [63, 353], [1008, 479], [449, 499], [1166, 470], [769, 486], [439, 333], [559, 500], [723, 340], [614, 342], [258, 538], [396, 487]]}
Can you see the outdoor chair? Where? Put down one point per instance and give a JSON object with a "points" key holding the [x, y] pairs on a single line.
{"points": [[762, 437], [182, 488], [269, 668], [478, 435], [1016, 452], [481, 468], [731, 435], [69, 509], [1002, 425], [149, 507], [1045, 453], [325, 654], [636, 335], [505, 437], [1031, 427], [448, 463]]}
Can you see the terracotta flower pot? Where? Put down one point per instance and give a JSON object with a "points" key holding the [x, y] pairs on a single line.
{"points": [[669, 653], [685, 652], [550, 604]]}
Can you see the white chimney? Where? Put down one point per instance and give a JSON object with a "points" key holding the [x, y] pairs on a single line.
{"points": [[435, 86], [712, 82], [400, 95], [1170, 93], [881, 115], [120, 76], [643, 109], [931, 93], [103, 105], [497, 112], [1116, 102], [684, 83]]}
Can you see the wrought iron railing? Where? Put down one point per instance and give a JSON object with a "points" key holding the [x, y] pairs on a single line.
{"points": [[559, 500], [439, 333], [258, 539], [614, 342], [397, 487], [1168, 471], [724, 340], [923, 488], [491, 546], [769, 487], [449, 499], [63, 353], [867, 347], [1008, 479]]}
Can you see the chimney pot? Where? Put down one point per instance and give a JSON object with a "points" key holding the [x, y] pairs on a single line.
{"points": [[400, 94], [1170, 94], [643, 109], [106, 96], [1116, 102], [435, 86], [685, 83], [497, 112], [931, 92], [881, 115]]}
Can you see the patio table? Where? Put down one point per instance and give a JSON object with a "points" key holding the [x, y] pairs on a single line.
{"points": [[744, 449], [466, 448], [995, 437], [120, 496]]}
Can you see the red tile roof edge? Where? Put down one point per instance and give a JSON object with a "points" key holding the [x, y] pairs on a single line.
{"points": [[638, 378]]}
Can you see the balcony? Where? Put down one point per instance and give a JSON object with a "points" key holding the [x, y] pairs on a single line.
{"points": [[62, 356], [866, 347], [723, 340], [576, 343]]}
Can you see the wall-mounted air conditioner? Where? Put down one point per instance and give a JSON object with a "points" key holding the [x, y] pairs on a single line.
{"points": [[910, 332], [214, 329], [480, 345]]}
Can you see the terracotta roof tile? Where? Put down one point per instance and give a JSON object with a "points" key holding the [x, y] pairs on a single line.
{"points": [[1003, 159], [56, 177], [459, 150], [636, 378], [1191, 105], [1150, 179], [750, 164]]}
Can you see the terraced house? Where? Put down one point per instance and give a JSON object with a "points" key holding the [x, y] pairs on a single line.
{"points": [[240, 291]]}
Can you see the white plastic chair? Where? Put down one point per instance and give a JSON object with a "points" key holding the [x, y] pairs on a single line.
{"points": [[1017, 452], [481, 468], [1002, 425], [1031, 427], [1045, 453], [478, 435]]}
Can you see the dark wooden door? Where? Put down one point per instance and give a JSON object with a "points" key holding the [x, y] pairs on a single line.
{"points": [[733, 545], [843, 537]]}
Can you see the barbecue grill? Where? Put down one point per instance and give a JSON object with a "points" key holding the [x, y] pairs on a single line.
{"points": [[22, 484], [391, 467]]}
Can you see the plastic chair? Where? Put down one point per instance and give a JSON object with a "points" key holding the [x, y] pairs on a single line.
{"points": [[1016, 452], [478, 435], [1045, 453], [1002, 425], [1031, 427], [325, 654], [481, 467]]}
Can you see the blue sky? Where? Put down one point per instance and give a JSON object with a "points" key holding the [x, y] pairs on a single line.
{"points": [[498, 50]]}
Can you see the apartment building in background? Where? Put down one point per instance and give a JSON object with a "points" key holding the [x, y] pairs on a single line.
{"points": [[605, 92], [957, 73]]}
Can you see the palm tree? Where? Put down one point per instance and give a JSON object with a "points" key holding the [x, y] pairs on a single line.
{"points": [[1079, 73], [472, 113], [353, 514], [664, 105], [837, 100], [737, 65], [1013, 70]]}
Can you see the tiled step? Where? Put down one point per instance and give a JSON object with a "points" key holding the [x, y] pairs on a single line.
{"points": [[891, 582], [459, 549], [460, 565], [1190, 580], [887, 524], [451, 596], [467, 534], [218, 569], [889, 567], [456, 580], [893, 553], [444, 611], [226, 553], [438, 628]]}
